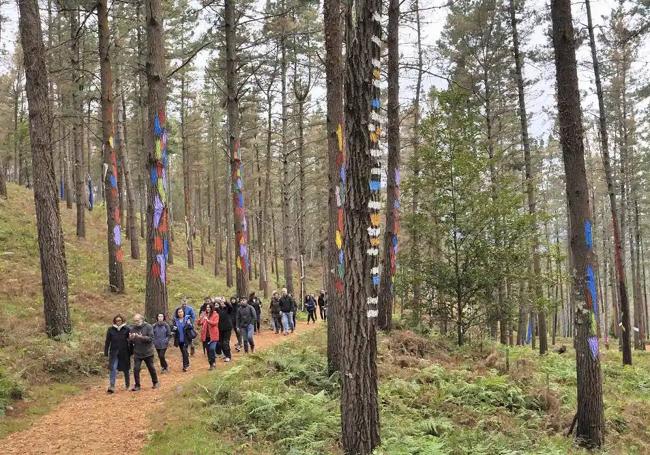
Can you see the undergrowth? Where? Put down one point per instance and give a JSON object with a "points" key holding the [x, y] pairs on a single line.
{"points": [[435, 398]]}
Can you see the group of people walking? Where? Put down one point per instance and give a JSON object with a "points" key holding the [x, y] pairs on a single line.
{"points": [[214, 326]]}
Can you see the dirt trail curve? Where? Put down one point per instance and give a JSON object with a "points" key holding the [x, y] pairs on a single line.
{"points": [[95, 422]]}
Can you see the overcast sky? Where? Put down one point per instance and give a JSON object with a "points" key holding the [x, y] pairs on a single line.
{"points": [[539, 97]]}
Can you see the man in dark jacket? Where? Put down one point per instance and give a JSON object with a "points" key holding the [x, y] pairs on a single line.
{"points": [[141, 336], [234, 303], [322, 305], [287, 306], [257, 306], [225, 311], [118, 351], [310, 306], [246, 318], [276, 315]]}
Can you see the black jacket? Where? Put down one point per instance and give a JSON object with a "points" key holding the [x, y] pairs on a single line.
{"points": [[225, 318], [245, 316], [275, 307], [143, 345], [117, 345], [257, 306], [287, 304], [322, 302]]}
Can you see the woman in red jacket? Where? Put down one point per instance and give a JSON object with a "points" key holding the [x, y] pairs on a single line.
{"points": [[209, 323]]}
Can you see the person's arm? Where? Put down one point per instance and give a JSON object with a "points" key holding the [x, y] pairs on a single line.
{"points": [[146, 336], [168, 333], [107, 342]]}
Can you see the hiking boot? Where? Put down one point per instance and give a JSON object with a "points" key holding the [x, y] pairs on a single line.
{"points": [[136, 388], [156, 385], [211, 366], [227, 359], [111, 389]]}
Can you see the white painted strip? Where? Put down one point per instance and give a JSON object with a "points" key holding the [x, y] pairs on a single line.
{"points": [[373, 251], [376, 63], [373, 314], [375, 39], [374, 205]]}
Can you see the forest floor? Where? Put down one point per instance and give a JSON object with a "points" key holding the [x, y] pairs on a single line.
{"points": [[37, 373], [435, 398], [94, 422]]}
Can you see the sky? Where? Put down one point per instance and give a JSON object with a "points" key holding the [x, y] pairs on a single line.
{"points": [[539, 97]]}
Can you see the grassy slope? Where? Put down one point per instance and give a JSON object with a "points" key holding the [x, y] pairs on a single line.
{"points": [[435, 399], [29, 362]]}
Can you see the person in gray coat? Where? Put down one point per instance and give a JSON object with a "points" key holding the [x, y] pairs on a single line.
{"points": [[161, 335], [141, 337], [246, 319]]}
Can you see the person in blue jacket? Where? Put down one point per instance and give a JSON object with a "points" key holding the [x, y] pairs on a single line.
{"points": [[184, 333], [189, 312]]}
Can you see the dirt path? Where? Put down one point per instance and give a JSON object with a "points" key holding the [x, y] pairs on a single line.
{"points": [[95, 422]]}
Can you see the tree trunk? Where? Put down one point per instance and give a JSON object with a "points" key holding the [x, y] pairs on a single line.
{"points": [[54, 275], [187, 184], [530, 180], [158, 222], [415, 164], [359, 401], [590, 427], [218, 254], [113, 220], [392, 174], [232, 105], [123, 158], [228, 209], [334, 67], [77, 127], [284, 186], [618, 247]]}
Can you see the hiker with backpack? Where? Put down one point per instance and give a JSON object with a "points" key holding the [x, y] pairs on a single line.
{"points": [[141, 337], [310, 305], [118, 351]]}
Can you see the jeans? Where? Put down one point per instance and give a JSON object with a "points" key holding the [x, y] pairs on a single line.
{"points": [[137, 362], [311, 315], [112, 375], [287, 321], [161, 357], [247, 335], [224, 343], [211, 347], [184, 354], [277, 322], [238, 334], [258, 323]]}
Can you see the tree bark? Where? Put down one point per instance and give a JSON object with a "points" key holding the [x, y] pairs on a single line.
{"points": [[158, 222], [392, 174], [187, 184], [284, 186], [113, 219], [590, 427], [334, 67], [619, 268], [77, 127], [232, 106], [54, 275], [530, 180], [359, 400]]}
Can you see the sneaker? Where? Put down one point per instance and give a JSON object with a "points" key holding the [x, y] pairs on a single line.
{"points": [[184, 369], [111, 389], [237, 348], [136, 388], [211, 366], [227, 359], [156, 385]]}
